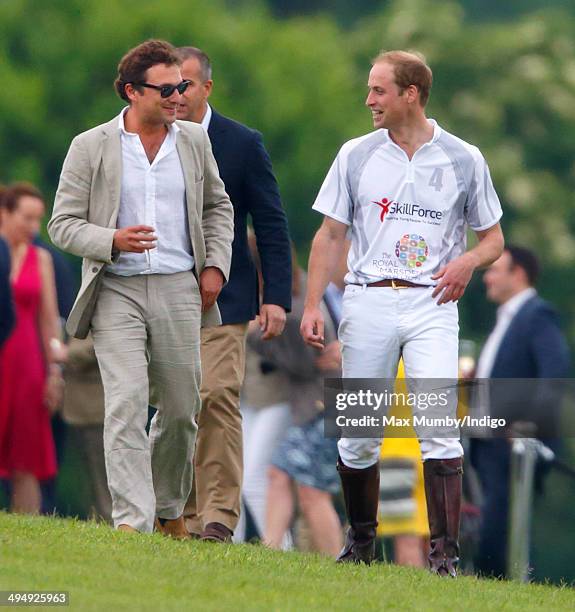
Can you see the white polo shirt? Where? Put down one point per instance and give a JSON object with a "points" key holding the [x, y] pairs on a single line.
{"points": [[408, 218], [154, 194]]}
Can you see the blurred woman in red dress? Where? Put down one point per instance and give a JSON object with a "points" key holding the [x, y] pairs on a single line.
{"points": [[30, 379]]}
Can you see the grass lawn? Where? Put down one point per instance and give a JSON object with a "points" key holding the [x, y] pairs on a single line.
{"points": [[107, 570]]}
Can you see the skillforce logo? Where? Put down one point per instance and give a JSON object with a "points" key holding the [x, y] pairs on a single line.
{"points": [[392, 207], [411, 250]]}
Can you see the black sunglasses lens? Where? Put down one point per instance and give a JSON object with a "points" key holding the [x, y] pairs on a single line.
{"points": [[167, 90]]}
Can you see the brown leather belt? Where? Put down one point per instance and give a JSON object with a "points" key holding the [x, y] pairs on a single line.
{"points": [[395, 283]]}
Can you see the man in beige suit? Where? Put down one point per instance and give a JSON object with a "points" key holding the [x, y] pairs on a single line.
{"points": [[140, 199]]}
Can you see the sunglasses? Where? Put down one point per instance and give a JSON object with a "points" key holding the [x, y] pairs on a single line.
{"points": [[166, 90]]}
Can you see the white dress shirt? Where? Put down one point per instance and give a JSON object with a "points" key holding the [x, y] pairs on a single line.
{"points": [[205, 122], [505, 314], [154, 194]]}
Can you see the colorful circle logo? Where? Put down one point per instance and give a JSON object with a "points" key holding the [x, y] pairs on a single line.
{"points": [[411, 250]]}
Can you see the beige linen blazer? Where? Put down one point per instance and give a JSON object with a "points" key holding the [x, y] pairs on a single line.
{"points": [[88, 201]]}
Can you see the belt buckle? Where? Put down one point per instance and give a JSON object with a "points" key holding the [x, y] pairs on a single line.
{"points": [[397, 286]]}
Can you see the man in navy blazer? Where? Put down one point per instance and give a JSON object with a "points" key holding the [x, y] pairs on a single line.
{"points": [[245, 167], [526, 342], [7, 319]]}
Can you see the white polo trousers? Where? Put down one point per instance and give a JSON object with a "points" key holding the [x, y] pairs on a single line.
{"points": [[378, 326]]}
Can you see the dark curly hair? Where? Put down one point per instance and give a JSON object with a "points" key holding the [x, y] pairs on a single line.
{"points": [[134, 65]]}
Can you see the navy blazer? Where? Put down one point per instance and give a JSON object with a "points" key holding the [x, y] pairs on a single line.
{"points": [[246, 170], [533, 345], [7, 317]]}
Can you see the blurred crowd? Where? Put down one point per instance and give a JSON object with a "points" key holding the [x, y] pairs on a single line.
{"points": [[51, 399]]}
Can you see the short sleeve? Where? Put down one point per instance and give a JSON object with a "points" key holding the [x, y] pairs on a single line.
{"points": [[482, 209], [334, 199]]}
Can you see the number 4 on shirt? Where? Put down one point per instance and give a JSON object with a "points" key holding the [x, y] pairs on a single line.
{"points": [[436, 179]]}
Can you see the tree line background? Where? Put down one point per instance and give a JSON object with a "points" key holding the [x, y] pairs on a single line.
{"points": [[297, 71]]}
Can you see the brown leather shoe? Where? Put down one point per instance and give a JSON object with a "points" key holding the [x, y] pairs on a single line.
{"points": [[126, 528], [361, 496], [443, 482], [175, 528], [216, 532]]}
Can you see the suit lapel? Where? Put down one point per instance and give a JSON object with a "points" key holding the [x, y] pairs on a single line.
{"points": [[216, 131], [511, 332], [112, 163], [188, 162], [217, 124]]}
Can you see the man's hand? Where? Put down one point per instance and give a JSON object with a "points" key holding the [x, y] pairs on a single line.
{"points": [[134, 239], [272, 320], [58, 351], [330, 358], [455, 277], [211, 283], [311, 327], [254, 325]]}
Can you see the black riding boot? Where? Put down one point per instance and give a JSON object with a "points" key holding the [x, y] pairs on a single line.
{"points": [[443, 480], [361, 495]]}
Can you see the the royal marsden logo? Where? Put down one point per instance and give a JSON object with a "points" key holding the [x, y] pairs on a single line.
{"points": [[391, 207], [411, 250]]}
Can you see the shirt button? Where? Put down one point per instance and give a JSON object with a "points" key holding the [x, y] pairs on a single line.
{"points": [[94, 270]]}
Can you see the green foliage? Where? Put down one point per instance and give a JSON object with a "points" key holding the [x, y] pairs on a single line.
{"points": [[509, 88], [348, 13], [103, 569]]}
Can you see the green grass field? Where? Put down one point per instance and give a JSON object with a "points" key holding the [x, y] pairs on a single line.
{"points": [[107, 570]]}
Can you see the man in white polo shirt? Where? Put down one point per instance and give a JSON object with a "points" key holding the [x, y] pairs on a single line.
{"points": [[406, 194]]}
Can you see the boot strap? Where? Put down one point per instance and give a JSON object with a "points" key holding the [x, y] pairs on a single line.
{"points": [[439, 468], [449, 471]]}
